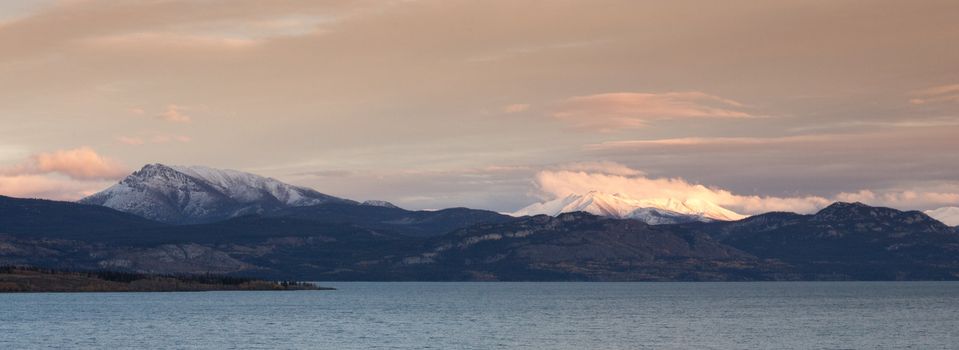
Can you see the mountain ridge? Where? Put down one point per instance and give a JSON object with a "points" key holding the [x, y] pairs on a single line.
{"points": [[196, 194], [334, 241]]}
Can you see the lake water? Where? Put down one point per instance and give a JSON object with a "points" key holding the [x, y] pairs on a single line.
{"points": [[797, 315]]}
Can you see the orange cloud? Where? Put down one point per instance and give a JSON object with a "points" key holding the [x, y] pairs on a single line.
{"points": [[611, 178], [709, 141], [605, 167], [79, 163], [170, 138], [174, 114], [64, 175], [48, 187], [132, 141], [173, 40], [561, 183], [516, 108], [156, 139], [612, 111]]}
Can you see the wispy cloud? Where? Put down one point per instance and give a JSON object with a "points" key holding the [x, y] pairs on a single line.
{"points": [[932, 122], [174, 40], [326, 173], [234, 24], [603, 167], [707, 141], [132, 141], [943, 93], [533, 49], [625, 110], [515, 108], [155, 139], [175, 114]]}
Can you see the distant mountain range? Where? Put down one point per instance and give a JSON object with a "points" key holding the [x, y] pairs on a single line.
{"points": [[651, 211], [173, 219], [343, 240], [194, 194]]}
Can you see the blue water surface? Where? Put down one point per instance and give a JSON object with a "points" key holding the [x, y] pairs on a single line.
{"points": [[762, 315]]}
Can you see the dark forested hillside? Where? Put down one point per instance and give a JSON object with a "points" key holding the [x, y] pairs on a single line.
{"points": [[341, 242], [848, 240], [53, 219]]}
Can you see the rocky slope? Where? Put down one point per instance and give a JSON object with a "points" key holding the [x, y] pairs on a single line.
{"points": [[582, 246]]}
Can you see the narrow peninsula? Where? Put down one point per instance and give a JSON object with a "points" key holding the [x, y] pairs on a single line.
{"points": [[20, 279]]}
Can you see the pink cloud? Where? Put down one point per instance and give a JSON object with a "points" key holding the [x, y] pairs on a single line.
{"points": [[63, 175], [710, 141], [174, 40], [611, 178], [612, 111], [156, 139], [133, 141], [516, 108], [48, 187], [943, 93], [79, 163], [170, 138], [604, 167], [175, 114], [561, 183]]}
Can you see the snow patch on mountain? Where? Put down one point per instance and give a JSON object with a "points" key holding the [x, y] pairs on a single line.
{"points": [[651, 211], [946, 215], [248, 188], [379, 203]]}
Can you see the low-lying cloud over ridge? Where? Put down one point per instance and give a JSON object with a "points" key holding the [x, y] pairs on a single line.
{"points": [[576, 179]]}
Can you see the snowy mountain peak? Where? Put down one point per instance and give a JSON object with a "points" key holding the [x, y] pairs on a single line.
{"points": [[946, 215], [188, 194], [652, 211]]}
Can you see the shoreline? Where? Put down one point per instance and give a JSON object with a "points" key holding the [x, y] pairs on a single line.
{"points": [[19, 279]]}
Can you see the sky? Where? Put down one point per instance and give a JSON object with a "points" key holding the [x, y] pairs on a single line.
{"points": [[757, 105]]}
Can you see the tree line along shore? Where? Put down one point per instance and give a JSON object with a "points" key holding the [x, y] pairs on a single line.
{"points": [[23, 279]]}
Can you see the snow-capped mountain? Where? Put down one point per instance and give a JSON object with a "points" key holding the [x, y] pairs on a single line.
{"points": [[651, 211], [181, 194], [946, 215]]}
